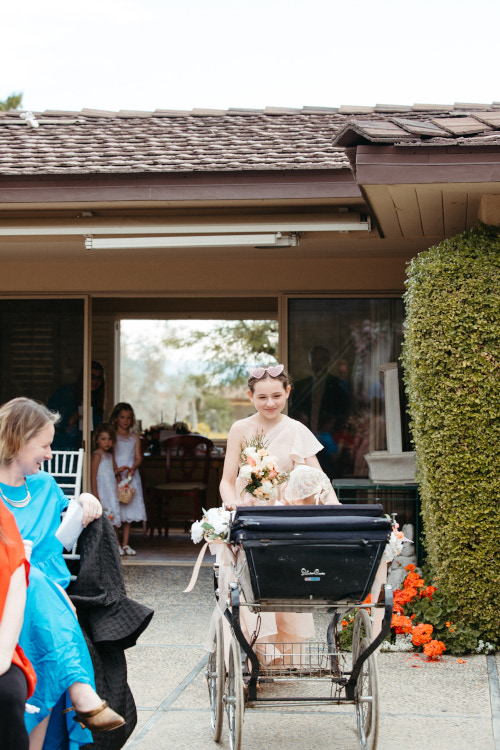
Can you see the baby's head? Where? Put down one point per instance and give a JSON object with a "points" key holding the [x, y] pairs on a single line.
{"points": [[307, 486]]}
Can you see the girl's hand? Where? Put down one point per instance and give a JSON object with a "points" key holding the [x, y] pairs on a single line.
{"points": [[92, 508], [121, 469]]}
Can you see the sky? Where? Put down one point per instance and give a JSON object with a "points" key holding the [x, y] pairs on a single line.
{"points": [[185, 54]]}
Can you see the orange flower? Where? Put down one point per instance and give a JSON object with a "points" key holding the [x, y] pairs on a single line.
{"points": [[368, 599], [401, 624], [448, 624], [413, 580], [403, 596], [251, 461], [344, 624], [428, 591], [410, 567], [461, 661], [421, 634], [433, 650], [398, 609]]}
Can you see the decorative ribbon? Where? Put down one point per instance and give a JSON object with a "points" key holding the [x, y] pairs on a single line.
{"points": [[197, 566]]}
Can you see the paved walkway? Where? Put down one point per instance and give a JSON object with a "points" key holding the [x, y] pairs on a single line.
{"points": [[444, 706]]}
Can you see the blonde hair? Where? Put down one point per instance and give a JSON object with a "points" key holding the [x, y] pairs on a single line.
{"points": [[20, 420]]}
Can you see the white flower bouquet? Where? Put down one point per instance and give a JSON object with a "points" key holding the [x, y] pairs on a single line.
{"points": [[259, 470], [214, 524], [394, 546]]}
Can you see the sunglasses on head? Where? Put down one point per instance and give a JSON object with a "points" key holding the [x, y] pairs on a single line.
{"points": [[259, 372]]}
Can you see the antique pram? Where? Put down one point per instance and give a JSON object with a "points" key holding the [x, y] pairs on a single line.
{"points": [[319, 559]]}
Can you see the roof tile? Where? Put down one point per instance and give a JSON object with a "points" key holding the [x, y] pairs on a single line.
{"points": [[95, 141], [461, 125]]}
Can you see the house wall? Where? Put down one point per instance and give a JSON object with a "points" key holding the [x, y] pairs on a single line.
{"points": [[270, 275]]}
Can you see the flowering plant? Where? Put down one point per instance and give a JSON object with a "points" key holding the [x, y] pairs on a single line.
{"points": [[259, 469], [423, 621], [214, 524]]}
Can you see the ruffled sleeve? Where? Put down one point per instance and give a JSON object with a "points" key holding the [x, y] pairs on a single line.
{"points": [[304, 444]]}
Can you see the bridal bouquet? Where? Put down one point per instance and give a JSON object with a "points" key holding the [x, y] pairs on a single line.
{"points": [[259, 469], [214, 524]]}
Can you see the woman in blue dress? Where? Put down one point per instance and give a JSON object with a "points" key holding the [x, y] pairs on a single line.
{"points": [[51, 636]]}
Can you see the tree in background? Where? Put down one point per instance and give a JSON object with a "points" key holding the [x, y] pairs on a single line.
{"points": [[12, 102], [451, 358], [233, 346], [174, 374]]}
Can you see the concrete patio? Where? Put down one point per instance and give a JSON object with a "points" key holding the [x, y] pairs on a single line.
{"points": [[441, 706]]}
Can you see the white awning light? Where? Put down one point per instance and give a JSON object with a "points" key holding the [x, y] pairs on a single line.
{"points": [[276, 239]]}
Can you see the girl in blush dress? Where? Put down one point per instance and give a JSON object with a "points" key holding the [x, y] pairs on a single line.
{"points": [[103, 474], [128, 457], [293, 444]]}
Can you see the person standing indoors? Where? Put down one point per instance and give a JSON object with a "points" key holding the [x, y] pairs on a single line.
{"points": [[103, 473], [128, 458]]}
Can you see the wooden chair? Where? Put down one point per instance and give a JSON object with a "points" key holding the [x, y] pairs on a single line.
{"points": [[187, 466]]}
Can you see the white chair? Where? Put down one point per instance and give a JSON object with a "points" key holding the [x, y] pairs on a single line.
{"points": [[66, 468]]}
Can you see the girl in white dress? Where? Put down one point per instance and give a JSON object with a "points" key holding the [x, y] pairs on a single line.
{"points": [[103, 476], [128, 457], [292, 444]]}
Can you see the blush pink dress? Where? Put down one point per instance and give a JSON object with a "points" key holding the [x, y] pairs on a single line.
{"points": [[291, 442]]}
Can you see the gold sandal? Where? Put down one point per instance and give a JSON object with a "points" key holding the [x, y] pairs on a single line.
{"points": [[101, 719]]}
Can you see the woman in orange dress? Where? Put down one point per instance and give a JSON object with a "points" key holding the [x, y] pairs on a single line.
{"points": [[17, 677]]}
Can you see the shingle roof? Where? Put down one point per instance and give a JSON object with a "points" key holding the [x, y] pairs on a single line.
{"points": [[100, 142], [478, 125]]}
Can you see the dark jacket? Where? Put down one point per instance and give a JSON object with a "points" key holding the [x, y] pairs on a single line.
{"points": [[111, 623]]}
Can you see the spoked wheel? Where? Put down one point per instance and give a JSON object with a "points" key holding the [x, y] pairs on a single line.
{"points": [[366, 698], [362, 629], [234, 696], [216, 674]]}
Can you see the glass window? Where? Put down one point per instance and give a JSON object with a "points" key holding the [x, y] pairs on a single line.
{"points": [[41, 357], [191, 375], [335, 349]]}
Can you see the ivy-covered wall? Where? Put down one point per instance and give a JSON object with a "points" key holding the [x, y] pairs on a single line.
{"points": [[451, 357]]}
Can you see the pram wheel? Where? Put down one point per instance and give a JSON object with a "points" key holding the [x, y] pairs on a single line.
{"points": [[366, 700], [216, 673], [362, 629], [234, 696]]}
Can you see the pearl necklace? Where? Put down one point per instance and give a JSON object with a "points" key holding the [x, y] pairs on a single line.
{"points": [[18, 503]]}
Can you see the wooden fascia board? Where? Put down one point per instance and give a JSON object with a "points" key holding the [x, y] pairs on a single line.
{"points": [[393, 165], [188, 187]]}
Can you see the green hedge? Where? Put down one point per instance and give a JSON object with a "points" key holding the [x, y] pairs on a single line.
{"points": [[451, 358]]}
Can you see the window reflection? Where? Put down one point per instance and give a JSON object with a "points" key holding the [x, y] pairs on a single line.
{"points": [[335, 348]]}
